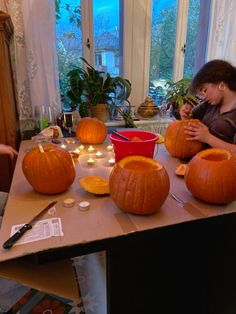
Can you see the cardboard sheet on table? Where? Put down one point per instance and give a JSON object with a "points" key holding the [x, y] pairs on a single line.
{"points": [[58, 277]]}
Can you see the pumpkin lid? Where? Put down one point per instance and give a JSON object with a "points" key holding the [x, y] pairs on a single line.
{"points": [[180, 170], [95, 184]]}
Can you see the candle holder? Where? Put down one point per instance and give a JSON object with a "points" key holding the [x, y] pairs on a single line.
{"points": [[81, 147]]}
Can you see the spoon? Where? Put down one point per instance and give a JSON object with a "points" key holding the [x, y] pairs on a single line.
{"points": [[121, 136]]}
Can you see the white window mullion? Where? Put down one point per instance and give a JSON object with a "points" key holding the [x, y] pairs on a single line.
{"points": [[181, 33], [87, 30], [136, 47]]}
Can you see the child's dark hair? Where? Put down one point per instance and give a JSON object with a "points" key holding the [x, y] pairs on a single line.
{"points": [[215, 71]]}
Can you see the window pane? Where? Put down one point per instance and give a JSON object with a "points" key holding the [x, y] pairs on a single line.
{"points": [[163, 33], [193, 17], [69, 38], [106, 35]]}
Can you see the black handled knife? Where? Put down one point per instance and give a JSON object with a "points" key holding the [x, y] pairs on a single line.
{"points": [[16, 236]]}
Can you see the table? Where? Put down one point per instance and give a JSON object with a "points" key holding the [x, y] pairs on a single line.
{"points": [[175, 260]]}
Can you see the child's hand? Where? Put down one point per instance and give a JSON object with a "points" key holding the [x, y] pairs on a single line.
{"points": [[197, 131], [186, 111], [8, 150]]}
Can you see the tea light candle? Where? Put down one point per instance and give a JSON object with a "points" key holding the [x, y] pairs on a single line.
{"points": [[81, 147], [90, 149], [63, 146], [111, 161], [109, 148], [90, 161], [76, 151], [98, 154]]}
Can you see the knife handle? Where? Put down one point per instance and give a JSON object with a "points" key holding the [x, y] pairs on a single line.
{"points": [[16, 236]]}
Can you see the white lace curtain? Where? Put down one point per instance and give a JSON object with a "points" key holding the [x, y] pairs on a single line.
{"points": [[35, 56], [222, 32]]}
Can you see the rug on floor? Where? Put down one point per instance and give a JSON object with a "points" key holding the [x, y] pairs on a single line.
{"points": [[38, 302]]}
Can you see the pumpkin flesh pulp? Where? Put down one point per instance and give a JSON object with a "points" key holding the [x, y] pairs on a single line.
{"points": [[140, 166], [216, 155]]}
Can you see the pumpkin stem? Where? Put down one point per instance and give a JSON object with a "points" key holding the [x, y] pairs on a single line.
{"points": [[41, 148]]}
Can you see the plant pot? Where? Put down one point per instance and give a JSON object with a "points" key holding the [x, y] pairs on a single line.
{"points": [[99, 111]]}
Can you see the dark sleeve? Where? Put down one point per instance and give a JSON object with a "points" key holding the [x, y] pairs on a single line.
{"points": [[200, 110]]}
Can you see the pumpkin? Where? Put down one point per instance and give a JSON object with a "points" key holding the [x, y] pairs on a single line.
{"points": [[176, 141], [95, 184], [139, 185], [49, 169], [91, 131], [211, 174]]}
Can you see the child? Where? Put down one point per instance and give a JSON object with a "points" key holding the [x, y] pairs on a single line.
{"points": [[5, 150], [216, 84]]}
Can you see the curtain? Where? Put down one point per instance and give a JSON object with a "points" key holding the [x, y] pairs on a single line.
{"points": [[222, 30], [34, 57]]}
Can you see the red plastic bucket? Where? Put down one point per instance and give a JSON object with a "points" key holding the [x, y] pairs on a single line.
{"points": [[123, 148]]}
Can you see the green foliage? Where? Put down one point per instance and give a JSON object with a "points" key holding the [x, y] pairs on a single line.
{"points": [[177, 95], [91, 87], [88, 86]]}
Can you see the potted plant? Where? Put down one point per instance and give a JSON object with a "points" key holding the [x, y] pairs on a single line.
{"points": [[91, 88], [178, 94]]}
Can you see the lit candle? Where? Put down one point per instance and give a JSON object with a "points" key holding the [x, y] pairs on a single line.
{"points": [[111, 161], [77, 151], [90, 161], [98, 154], [70, 141], [63, 146], [90, 149], [81, 147], [109, 148]]}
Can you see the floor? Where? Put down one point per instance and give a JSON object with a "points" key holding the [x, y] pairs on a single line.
{"points": [[91, 273]]}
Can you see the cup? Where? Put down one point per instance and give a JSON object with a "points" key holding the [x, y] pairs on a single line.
{"points": [[41, 117]]}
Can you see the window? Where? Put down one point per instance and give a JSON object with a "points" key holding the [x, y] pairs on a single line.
{"points": [[96, 38], [142, 40], [69, 38], [173, 43], [106, 35]]}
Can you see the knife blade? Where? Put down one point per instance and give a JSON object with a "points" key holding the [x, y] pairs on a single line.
{"points": [[190, 208], [16, 236]]}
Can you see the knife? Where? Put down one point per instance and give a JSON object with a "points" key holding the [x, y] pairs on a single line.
{"points": [[190, 208], [16, 236]]}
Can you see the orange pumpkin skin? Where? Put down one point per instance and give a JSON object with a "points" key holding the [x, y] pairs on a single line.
{"points": [[139, 185], [51, 172], [91, 131], [211, 174], [176, 140]]}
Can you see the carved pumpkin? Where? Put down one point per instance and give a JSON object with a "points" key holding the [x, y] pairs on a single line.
{"points": [[176, 140], [91, 131], [139, 185], [211, 174], [50, 170]]}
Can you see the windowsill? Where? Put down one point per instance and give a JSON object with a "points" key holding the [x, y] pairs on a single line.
{"points": [[155, 125]]}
